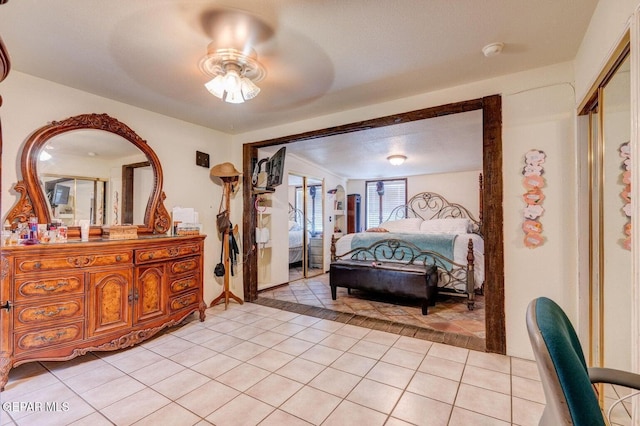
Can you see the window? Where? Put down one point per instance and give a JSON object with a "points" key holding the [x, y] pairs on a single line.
{"points": [[382, 196]]}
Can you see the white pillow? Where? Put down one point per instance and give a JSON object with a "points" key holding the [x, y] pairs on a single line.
{"points": [[446, 226], [410, 225], [293, 225]]}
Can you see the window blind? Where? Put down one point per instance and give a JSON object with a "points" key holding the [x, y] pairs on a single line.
{"points": [[378, 207], [314, 210]]}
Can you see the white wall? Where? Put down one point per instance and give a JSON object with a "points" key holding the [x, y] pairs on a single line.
{"points": [[29, 103], [541, 119]]}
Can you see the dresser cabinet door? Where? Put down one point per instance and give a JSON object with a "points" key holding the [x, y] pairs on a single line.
{"points": [[110, 301], [149, 297]]}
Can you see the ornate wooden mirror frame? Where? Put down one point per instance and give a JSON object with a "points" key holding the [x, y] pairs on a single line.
{"points": [[33, 201]]}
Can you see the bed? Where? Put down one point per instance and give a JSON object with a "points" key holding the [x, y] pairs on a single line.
{"points": [[296, 235], [427, 231]]}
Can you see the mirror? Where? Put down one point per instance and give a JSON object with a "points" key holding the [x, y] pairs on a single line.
{"points": [[306, 238], [610, 210], [91, 167], [90, 174]]}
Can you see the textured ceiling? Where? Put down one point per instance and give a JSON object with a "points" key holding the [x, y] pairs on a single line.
{"points": [[321, 57]]}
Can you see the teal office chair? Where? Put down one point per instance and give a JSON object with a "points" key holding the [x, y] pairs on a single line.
{"points": [[566, 380]]}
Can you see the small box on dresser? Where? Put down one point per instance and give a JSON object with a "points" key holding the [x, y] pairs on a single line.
{"points": [[120, 232]]}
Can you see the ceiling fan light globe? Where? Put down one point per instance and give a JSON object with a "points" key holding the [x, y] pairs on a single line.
{"points": [[216, 86], [234, 96], [249, 89], [232, 81]]}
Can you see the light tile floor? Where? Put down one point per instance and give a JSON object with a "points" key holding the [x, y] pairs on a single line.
{"points": [[253, 364]]}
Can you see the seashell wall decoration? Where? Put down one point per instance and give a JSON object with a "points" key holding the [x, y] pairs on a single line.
{"points": [[533, 198], [625, 153]]}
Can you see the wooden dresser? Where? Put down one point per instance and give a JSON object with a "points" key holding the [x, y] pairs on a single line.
{"points": [[60, 301]]}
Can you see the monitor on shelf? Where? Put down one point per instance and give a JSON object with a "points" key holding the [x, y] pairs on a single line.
{"points": [[265, 180], [60, 195], [275, 168]]}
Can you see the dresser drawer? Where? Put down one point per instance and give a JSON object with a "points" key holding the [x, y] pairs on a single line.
{"points": [[190, 282], [48, 337], [185, 265], [53, 263], [35, 314], [161, 253], [185, 301], [60, 285]]}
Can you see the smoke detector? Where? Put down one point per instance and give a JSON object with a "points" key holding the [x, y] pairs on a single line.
{"points": [[492, 49]]}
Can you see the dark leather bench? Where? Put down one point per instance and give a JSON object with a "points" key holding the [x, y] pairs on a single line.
{"points": [[414, 281]]}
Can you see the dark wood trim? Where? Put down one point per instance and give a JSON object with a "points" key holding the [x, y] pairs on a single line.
{"points": [[492, 224], [5, 61], [249, 222], [492, 199], [128, 172]]}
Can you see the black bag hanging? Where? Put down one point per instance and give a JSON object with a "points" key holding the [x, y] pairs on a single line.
{"points": [[218, 271], [222, 218]]}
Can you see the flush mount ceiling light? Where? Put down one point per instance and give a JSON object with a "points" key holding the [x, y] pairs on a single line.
{"points": [[234, 74], [397, 159], [493, 49]]}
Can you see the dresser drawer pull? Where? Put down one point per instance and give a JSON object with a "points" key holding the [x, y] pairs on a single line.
{"points": [[57, 336], [37, 265], [44, 287], [118, 258], [184, 302], [183, 267], [6, 305], [81, 261], [133, 296], [45, 313]]}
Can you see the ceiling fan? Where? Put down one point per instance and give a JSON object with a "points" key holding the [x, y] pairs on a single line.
{"points": [[249, 53]]}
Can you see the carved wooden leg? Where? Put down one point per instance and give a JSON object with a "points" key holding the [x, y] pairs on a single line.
{"points": [[471, 280], [6, 362], [202, 307]]}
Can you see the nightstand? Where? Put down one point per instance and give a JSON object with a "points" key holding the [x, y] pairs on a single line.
{"points": [[315, 253]]}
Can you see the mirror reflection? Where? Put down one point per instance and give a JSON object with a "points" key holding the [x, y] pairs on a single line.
{"points": [[306, 226], [615, 249], [74, 199], [94, 175]]}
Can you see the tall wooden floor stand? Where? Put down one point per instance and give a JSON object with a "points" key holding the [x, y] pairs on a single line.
{"points": [[226, 292]]}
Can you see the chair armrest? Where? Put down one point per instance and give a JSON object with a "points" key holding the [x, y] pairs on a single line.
{"points": [[615, 377]]}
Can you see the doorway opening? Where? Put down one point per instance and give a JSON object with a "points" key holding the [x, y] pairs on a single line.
{"points": [[492, 195]]}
